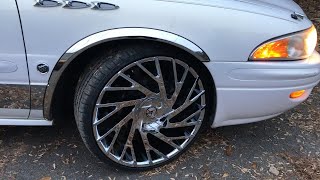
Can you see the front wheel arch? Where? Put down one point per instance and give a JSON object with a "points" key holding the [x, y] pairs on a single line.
{"points": [[60, 92], [109, 36]]}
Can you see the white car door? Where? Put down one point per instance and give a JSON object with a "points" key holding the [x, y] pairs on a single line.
{"points": [[14, 78]]}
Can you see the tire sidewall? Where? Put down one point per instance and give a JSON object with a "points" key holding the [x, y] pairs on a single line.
{"points": [[93, 80]]}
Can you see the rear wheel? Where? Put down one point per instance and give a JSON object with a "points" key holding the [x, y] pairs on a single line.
{"points": [[140, 108]]}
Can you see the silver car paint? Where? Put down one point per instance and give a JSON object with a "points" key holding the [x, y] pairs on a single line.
{"points": [[287, 5], [49, 32], [13, 65], [254, 91], [219, 27]]}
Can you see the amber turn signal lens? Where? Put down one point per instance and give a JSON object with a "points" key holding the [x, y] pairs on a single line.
{"points": [[297, 94], [275, 49]]}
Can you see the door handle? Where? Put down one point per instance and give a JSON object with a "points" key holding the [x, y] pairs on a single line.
{"points": [[104, 6], [76, 4], [47, 3]]}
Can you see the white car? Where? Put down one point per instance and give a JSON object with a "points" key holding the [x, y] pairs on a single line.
{"points": [[143, 78]]}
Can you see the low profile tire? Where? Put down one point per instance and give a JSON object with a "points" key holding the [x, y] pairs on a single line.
{"points": [[141, 107]]}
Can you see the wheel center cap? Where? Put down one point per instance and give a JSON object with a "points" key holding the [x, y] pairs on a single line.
{"points": [[151, 112]]}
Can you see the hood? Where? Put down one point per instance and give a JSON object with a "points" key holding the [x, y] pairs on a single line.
{"points": [[275, 8], [288, 5]]}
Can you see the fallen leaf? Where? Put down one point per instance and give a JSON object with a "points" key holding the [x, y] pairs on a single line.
{"points": [[274, 171], [254, 165], [45, 178], [228, 150], [244, 170], [225, 175]]}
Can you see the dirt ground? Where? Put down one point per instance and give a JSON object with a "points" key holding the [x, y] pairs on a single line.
{"points": [[285, 147]]}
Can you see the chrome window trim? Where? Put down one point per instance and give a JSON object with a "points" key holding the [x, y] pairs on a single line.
{"points": [[111, 35]]}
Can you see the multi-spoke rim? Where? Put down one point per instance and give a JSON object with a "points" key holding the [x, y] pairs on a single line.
{"points": [[149, 111]]}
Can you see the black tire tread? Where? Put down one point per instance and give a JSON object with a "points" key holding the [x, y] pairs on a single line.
{"points": [[93, 79]]}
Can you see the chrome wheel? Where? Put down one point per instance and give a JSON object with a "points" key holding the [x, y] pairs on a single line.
{"points": [[149, 112]]}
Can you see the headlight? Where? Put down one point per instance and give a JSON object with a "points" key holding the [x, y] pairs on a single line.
{"points": [[291, 47]]}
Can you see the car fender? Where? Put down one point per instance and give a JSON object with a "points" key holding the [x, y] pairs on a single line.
{"points": [[113, 35]]}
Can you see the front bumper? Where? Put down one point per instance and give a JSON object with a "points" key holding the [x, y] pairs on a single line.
{"points": [[253, 91]]}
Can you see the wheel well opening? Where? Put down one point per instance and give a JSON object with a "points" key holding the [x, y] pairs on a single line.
{"points": [[63, 97]]}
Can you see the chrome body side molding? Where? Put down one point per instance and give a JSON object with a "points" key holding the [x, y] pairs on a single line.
{"points": [[37, 95], [18, 96], [16, 101], [111, 35], [25, 122], [14, 113], [14, 96]]}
